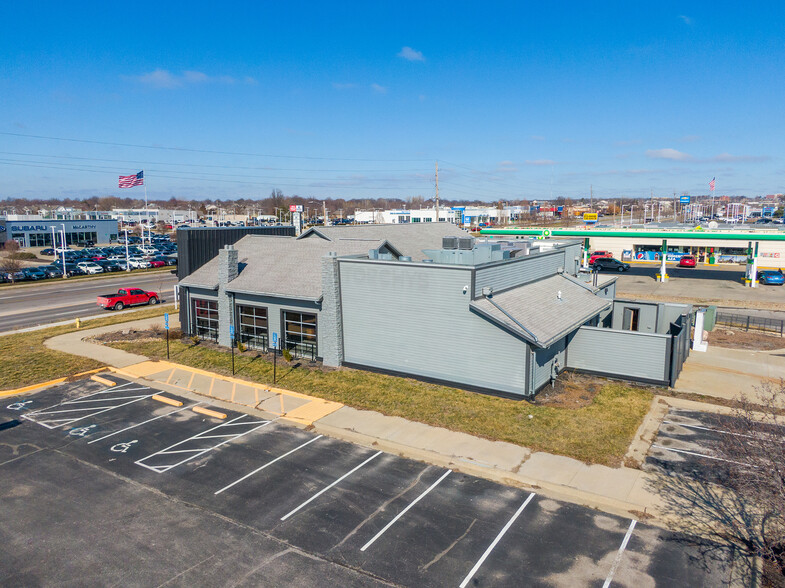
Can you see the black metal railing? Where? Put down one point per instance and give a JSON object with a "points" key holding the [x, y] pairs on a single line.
{"points": [[751, 323]]}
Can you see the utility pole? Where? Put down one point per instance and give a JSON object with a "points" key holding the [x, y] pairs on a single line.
{"points": [[437, 191], [591, 198], [324, 206]]}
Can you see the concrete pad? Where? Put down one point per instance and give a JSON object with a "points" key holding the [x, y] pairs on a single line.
{"points": [[245, 394], [216, 388], [201, 382], [313, 411], [616, 483], [555, 469]]}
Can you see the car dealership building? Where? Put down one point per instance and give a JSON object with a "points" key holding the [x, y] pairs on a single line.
{"points": [[38, 232]]}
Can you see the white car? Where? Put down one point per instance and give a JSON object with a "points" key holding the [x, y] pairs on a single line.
{"points": [[90, 267], [138, 262]]}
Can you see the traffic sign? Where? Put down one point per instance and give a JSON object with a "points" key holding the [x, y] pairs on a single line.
{"points": [[231, 331], [166, 321], [275, 339]]}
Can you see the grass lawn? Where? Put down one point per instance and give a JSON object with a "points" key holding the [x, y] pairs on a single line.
{"points": [[26, 361], [599, 432]]}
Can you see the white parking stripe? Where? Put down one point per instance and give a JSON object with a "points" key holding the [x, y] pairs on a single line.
{"points": [[706, 429], [617, 561], [53, 423], [143, 423], [476, 567], [323, 490], [104, 391], [404, 511], [696, 454], [269, 463], [200, 450]]}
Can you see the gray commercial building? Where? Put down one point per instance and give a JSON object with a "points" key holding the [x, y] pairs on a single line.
{"points": [[38, 233], [427, 301]]}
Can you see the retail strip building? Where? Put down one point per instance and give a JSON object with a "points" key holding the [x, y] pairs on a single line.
{"points": [[429, 302]]}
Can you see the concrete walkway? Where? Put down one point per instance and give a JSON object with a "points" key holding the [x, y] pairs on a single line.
{"points": [[730, 373], [623, 491]]}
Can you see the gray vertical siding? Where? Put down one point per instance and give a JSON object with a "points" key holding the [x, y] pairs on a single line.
{"points": [[543, 363], [625, 354], [573, 258], [415, 319], [511, 273], [647, 316], [669, 313]]}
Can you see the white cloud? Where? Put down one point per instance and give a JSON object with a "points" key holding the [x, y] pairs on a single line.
{"points": [[378, 89], [410, 54], [540, 162], [687, 20], [162, 78], [668, 153]]}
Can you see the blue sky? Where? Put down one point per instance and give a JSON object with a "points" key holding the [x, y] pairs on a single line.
{"points": [[359, 100]]}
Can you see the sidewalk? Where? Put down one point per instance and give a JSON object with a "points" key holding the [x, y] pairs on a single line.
{"points": [[622, 491]]}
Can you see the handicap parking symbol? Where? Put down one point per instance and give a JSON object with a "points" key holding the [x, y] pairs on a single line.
{"points": [[81, 431], [123, 447], [19, 405]]}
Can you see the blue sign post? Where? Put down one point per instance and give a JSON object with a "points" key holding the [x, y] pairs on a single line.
{"points": [[166, 326], [684, 199], [231, 337], [275, 340], [275, 356]]}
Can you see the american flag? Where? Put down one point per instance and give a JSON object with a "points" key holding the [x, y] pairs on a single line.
{"points": [[711, 184], [131, 181]]}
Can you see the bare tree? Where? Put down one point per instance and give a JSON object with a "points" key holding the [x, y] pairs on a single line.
{"points": [[10, 263], [743, 506]]}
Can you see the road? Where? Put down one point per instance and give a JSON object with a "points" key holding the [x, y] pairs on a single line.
{"points": [[38, 304]]}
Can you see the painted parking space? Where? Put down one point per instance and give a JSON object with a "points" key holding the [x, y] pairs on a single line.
{"points": [[688, 443], [349, 508]]}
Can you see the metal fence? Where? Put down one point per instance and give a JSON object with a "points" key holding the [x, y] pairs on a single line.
{"points": [[751, 323]]}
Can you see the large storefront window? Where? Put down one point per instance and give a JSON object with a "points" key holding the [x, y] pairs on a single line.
{"points": [[300, 333], [205, 319], [252, 321]]}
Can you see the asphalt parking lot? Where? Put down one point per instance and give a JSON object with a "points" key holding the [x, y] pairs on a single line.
{"points": [[105, 485], [687, 444]]}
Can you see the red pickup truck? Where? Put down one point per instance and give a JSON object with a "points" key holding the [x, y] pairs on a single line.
{"points": [[127, 297]]}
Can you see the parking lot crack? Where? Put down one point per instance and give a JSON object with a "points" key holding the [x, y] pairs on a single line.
{"points": [[449, 548], [382, 507], [196, 565]]}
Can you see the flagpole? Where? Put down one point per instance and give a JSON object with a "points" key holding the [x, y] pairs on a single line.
{"points": [[146, 212]]}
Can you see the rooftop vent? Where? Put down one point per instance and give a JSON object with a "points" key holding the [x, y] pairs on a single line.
{"points": [[404, 258], [449, 242], [466, 243]]}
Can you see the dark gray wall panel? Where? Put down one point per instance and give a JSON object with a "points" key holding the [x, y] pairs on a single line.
{"points": [[415, 319], [509, 274]]}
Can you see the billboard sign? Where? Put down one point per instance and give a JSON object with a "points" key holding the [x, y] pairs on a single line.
{"points": [[295, 208], [590, 217], [684, 199]]}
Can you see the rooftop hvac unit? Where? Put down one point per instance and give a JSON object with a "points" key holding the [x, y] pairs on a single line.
{"points": [[404, 258], [465, 243], [449, 242]]}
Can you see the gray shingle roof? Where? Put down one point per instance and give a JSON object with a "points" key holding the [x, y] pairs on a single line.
{"points": [[538, 308], [281, 266], [408, 238]]}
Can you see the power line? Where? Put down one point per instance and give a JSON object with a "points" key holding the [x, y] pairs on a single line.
{"points": [[210, 151]]}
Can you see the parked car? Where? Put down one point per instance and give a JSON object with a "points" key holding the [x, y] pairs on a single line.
{"points": [[138, 262], [597, 255], [609, 264], [109, 266], [770, 277], [11, 277], [687, 261], [157, 263], [127, 297], [90, 267], [47, 251], [165, 259], [34, 273], [52, 271]]}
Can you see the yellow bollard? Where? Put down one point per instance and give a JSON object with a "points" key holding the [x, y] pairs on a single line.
{"points": [[78, 323]]}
